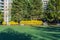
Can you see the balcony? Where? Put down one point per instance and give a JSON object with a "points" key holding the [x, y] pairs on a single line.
{"points": [[1, 4], [1, 8], [1, 1]]}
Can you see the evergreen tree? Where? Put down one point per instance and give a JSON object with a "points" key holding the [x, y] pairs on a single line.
{"points": [[26, 9], [52, 10], [1, 17]]}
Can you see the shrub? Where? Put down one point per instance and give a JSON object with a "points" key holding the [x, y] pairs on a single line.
{"points": [[3, 23], [32, 22], [13, 23]]}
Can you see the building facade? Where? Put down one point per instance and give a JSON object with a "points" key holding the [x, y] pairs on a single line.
{"points": [[2, 5], [45, 2], [5, 7], [7, 10]]}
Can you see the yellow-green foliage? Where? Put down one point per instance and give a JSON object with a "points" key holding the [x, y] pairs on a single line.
{"points": [[32, 22], [4, 23], [11, 23]]}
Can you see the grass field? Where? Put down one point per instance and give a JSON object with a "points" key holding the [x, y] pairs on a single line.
{"points": [[29, 33]]}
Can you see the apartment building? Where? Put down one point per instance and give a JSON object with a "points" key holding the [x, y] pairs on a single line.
{"points": [[7, 10], [2, 5], [45, 2]]}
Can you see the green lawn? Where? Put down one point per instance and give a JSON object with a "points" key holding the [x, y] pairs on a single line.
{"points": [[29, 33]]}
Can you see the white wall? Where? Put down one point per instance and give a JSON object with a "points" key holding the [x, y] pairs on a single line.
{"points": [[7, 10]]}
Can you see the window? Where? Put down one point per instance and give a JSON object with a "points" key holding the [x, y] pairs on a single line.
{"points": [[2, 3], [2, 0]]}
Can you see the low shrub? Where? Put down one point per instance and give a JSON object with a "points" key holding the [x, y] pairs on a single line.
{"points": [[3, 23], [11, 23], [32, 22]]}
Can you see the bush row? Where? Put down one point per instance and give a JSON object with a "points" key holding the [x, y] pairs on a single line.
{"points": [[31, 22]]}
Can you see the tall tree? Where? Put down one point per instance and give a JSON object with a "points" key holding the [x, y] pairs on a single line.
{"points": [[36, 8], [52, 11], [1, 17], [26, 9]]}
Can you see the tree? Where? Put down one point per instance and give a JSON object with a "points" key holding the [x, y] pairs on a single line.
{"points": [[35, 8], [52, 11], [26, 9], [1, 17]]}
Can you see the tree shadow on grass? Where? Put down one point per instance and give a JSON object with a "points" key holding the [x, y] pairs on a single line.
{"points": [[45, 32], [52, 29], [51, 35], [10, 34]]}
